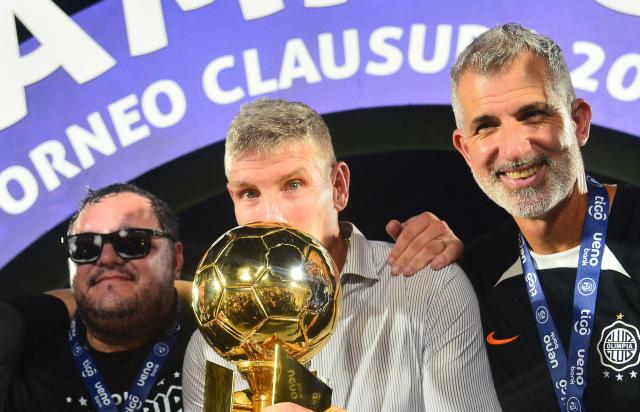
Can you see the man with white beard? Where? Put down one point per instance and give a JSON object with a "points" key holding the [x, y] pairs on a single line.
{"points": [[566, 334]]}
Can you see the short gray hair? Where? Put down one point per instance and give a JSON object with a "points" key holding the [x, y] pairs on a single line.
{"points": [[265, 125], [497, 48]]}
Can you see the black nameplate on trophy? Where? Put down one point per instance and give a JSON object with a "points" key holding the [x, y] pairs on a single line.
{"points": [[218, 391], [294, 383]]}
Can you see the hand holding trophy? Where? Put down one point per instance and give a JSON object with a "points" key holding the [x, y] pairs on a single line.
{"points": [[265, 295]]}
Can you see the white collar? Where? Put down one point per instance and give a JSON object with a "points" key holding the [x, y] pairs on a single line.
{"points": [[565, 259]]}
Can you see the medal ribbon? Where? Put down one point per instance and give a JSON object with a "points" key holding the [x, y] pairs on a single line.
{"points": [[146, 377], [569, 376]]}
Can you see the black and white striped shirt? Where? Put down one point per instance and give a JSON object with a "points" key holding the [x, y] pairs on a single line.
{"points": [[401, 344]]}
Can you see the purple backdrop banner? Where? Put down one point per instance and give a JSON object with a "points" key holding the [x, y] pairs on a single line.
{"points": [[127, 85]]}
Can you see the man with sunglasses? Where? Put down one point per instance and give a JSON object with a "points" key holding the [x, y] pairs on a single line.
{"points": [[124, 259], [123, 348]]}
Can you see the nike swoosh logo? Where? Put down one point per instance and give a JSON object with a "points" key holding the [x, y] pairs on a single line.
{"points": [[493, 341]]}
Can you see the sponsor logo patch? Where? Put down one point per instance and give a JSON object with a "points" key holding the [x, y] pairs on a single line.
{"points": [[586, 286], [618, 346], [542, 314], [161, 349], [492, 340], [573, 405], [77, 349]]}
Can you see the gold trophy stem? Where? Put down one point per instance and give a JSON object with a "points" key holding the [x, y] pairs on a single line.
{"points": [[259, 375]]}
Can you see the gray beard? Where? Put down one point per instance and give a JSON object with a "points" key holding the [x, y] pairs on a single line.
{"points": [[537, 202]]}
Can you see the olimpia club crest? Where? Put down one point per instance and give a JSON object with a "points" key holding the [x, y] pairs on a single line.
{"points": [[618, 346]]}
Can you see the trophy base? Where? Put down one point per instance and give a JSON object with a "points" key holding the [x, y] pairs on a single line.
{"points": [[260, 376], [282, 380]]}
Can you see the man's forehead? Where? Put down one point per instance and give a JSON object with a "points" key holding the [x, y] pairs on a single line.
{"points": [[116, 211], [246, 178], [277, 148], [525, 67], [524, 81], [287, 157]]}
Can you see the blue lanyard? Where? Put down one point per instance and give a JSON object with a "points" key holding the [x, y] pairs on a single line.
{"points": [[569, 376], [146, 376]]}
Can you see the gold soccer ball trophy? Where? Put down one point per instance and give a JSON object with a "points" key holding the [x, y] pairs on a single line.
{"points": [[263, 294]]}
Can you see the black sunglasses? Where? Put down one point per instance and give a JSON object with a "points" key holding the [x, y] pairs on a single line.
{"points": [[131, 243]]}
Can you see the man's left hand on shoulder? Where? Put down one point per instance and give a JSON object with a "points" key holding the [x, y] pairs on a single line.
{"points": [[420, 241]]}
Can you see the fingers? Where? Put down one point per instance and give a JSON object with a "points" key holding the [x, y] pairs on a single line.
{"points": [[292, 407], [286, 407], [394, 227], [404, 233], [417, 243], [452, 252], [420, 253], [402, 239], [422, 240]]}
